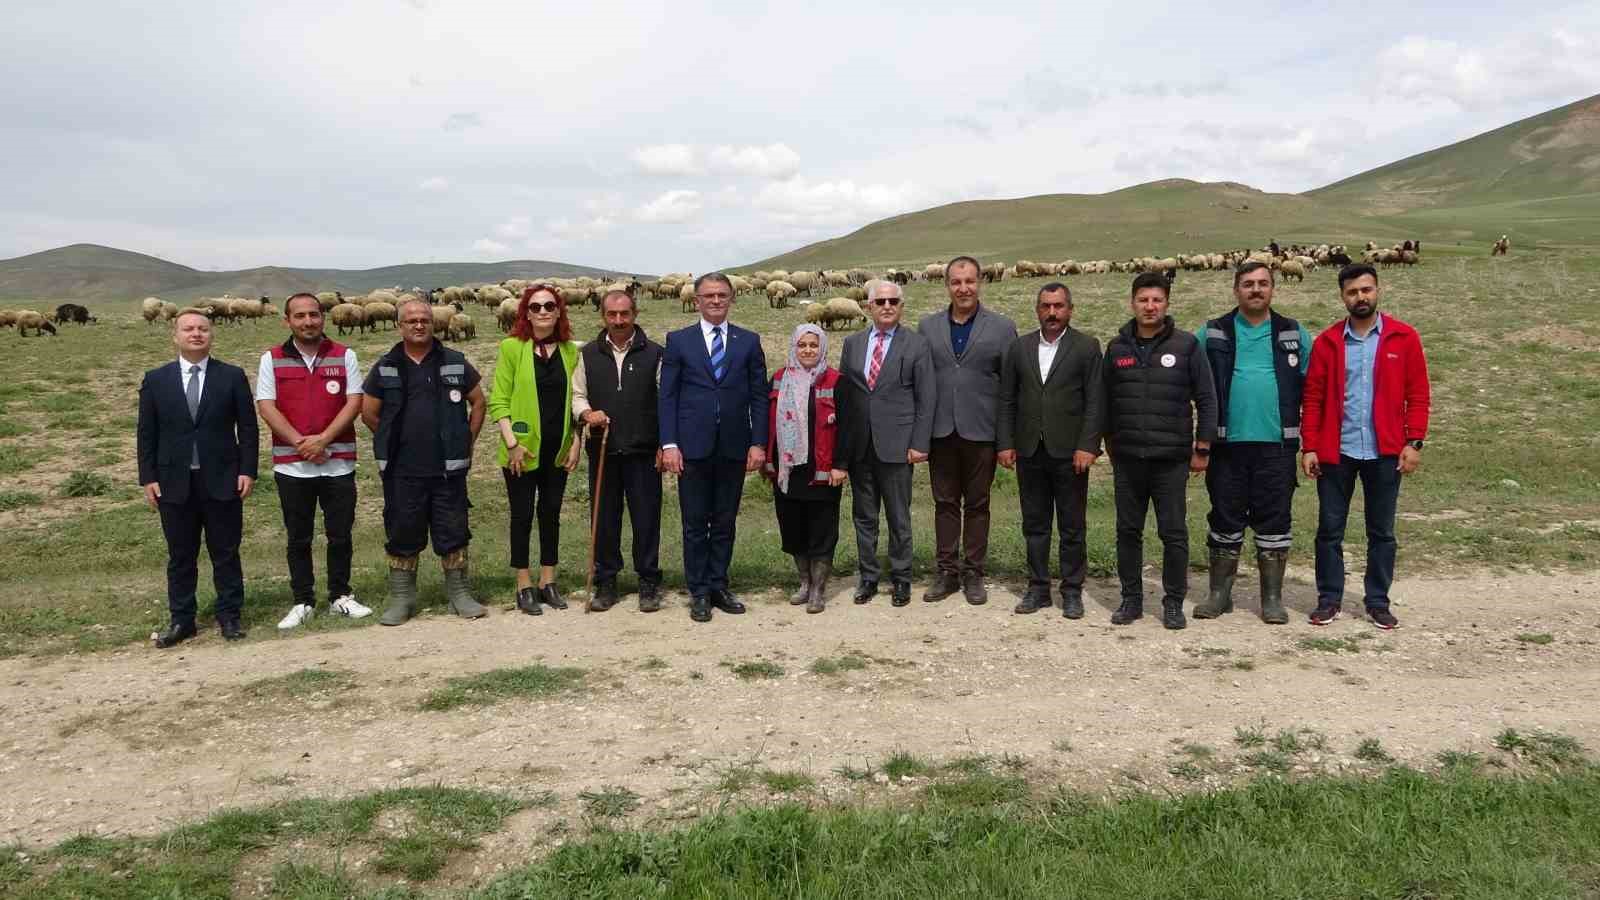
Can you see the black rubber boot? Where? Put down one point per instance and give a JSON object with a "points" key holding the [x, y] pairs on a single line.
{"points": [[1272, 563], [803, 565], [402, 591], [1224, 568]]}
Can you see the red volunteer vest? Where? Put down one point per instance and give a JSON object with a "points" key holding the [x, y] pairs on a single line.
{"points": [[824, 430], [310, 398]]}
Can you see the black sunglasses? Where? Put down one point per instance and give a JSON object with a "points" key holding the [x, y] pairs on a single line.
{"points": [[889, 301], [547, 306]]}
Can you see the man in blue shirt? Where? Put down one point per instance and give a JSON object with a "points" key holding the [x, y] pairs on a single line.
{"points": [[1258, 364]]}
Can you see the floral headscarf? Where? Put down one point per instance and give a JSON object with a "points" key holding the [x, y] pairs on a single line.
{"points": [[794, 404]]}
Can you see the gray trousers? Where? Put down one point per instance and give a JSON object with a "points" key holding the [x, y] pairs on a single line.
{"points": [[875, 484]]}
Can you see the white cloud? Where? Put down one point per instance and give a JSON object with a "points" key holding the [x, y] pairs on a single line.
{"points": [[666, 159], [485, 245], [802, 202], [1512, 68], [514, 227], [771, 161], [435, 184], [672, 207], [567, 230]]}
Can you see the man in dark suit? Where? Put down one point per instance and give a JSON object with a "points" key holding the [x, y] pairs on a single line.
{"points": [[197, 449], [1048, 430], [713, 412], [886, 422], [968, 343]]}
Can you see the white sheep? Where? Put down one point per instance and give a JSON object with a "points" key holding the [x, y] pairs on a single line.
{"points": [[150, 309], [778, 294], [461, 328], [349, 317], [382, 312], [27, 318], [506, 314]]}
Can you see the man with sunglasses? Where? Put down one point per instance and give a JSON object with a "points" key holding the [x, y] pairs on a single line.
{"points": [[886, 421]]}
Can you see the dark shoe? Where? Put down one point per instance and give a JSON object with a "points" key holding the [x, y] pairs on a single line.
{"points": [[724, 600], [231, 628], [901, 595], [944, 584], [1383, 619], [1325, 612], [1271, 564], [176, 633], [1172, 615], [700, 609], [649, 597], [1128, 612], [802, 565], [605, 597], [549, 596], [821, 569], [1071, 606], [972, 587], [528, 601], [865, 591], [1032, 602], [1219, 600]]}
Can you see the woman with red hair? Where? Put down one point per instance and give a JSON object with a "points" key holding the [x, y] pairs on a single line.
{"points": [[531, 402]]}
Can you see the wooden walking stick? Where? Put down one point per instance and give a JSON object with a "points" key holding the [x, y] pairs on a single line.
{"points": [[594, 512]]}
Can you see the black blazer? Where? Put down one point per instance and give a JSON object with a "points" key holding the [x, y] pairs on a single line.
{"points": [[896, 415], [225, 429], [1062, 410]]}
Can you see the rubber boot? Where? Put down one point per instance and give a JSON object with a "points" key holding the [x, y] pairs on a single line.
{"points": [[1172, 615], [455, 586], [803, 565], [1271, 563], [402, 603], [1224, 567], [821, 569]]}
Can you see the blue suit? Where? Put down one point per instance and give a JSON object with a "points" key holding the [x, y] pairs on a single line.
{"points": [[714, 425]]}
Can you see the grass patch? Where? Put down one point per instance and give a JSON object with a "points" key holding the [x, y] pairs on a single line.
{"points": [[610, 802], [786, 782], [653, 664], [854, 773], [1251, 736], [10, 500], [1329, 645], [754, 669], [984, 789], [1404, 834], [8, 428], [1272, 761], [1541, 748], [1371, 750], [901, 764], [85, 484], [17, 460], [1460, 760], [834, 665], [298, 684], [495, 685], [1540, 638]]}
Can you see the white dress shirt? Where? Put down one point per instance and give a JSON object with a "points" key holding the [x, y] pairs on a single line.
{"points": [[1047, 353], [706, 330]]}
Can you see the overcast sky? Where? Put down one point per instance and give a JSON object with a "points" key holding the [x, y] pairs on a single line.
{"points": [[685, 136]]}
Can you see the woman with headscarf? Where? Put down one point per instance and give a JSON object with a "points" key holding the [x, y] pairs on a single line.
{"points": [[532, 404], [801, 449]]}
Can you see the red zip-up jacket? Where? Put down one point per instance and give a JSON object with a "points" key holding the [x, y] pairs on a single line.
{"points": [[1400, 394]]}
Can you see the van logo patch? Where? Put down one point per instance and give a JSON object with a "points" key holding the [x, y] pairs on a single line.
{"points": [[1168, 360], [1124, 362], [332, 387], [1294, 359], [455, 396]]}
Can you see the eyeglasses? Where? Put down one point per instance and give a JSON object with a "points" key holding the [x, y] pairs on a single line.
{"points": [[886, 301], [547, 306]]}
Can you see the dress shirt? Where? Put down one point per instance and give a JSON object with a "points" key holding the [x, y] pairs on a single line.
{"points": [[1047, 353], [1357, 437]]}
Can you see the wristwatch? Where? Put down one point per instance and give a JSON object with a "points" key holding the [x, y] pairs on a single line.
{"points": [[1415, 445]]}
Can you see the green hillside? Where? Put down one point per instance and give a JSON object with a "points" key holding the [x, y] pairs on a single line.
{"points": [[88, 273]]}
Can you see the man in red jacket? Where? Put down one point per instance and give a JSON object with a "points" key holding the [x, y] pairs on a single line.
{"points": [[1365, 416]]}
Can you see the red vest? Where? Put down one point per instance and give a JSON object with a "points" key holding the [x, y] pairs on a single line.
{"points": [[824, 428], [310, 398]]}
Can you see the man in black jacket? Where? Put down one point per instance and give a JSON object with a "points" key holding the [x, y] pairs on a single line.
{"points": [[1047, 430], [1160, 413], [197, 448], [614, 388]]}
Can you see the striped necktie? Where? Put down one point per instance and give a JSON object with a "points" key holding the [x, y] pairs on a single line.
{"points": [[877, 362], [717, 354]]}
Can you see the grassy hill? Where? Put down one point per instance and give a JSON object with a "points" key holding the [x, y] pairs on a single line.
{"points": [[88, 273], [1537, 179]]}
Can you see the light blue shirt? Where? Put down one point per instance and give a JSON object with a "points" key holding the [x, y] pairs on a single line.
{"points": [[872, 347], [1357, 437]]}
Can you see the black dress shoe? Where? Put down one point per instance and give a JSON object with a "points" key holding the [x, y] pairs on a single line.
{"points": [[902, 593], [700, 609], [605, 597], [551, 597], [1031, 602], [724, 600], [649, 597], [176, 633], [865, 591], [231, 629], [1072, 606], [528, 601]]}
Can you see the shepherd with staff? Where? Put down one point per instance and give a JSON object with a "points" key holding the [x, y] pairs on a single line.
{"points": [[614, 391]]}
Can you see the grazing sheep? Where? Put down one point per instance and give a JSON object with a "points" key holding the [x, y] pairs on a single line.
{"points": [[1409, 257], [835, 279], [461, 328], [993, 272], [8, 318], [442, 315], [1292, 268], [27, 318], [506, 314], [1501, 247], [169, 311], [842, 312], [329, 299], [245, 309], [778, 294], [686, 296], [802, 282], [72, 312], [899, 276], [933, 272], [858, 294], [382, 312], [349, 317], [150, 309]]}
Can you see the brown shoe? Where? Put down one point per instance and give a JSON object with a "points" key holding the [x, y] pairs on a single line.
{"points": [[972, 587], [944, 584]]}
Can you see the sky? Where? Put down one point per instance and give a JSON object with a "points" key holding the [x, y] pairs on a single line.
{"points": [[688, 136]]}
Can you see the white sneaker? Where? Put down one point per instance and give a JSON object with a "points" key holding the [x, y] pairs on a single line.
{"points": [[347, 606], [298, 614]]}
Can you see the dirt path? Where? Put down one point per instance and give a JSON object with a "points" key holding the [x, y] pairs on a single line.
{"points": [[136, 741]]}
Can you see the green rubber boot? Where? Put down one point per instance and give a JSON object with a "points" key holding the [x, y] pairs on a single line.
{"points": [[1224, 568], [402, 592], [803, 565], [456, 590], [1272, 563]]}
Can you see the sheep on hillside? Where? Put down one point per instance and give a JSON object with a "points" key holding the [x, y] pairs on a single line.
{"points": [[778, 294], [686, 296], [461, 328], [994, 272], [441, 317], [1501, 247], [1291, 268], [8, 318], [27, 318], [382, 312], [933, 272], [349, 317], [506, 314], [329, 299], [150, 309], [802, 282]]}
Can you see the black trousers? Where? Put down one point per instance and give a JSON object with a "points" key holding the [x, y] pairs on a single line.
{"points": [[631, 479], [1250, 484], [1380, 490], [875, 484], [535, 493], [299, 498], [1050, 489], [415, 508], [709, 491], [220, 523], [1139, 483], [808, 527]]}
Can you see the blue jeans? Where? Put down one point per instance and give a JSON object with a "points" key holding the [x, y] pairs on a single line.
{"points": [[1380, 490]]}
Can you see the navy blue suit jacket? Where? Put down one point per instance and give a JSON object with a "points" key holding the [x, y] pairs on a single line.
{"points": [[225, 430], [706, 419]]}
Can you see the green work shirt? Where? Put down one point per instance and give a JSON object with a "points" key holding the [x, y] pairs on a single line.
{"points": [[1253, 394]]}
